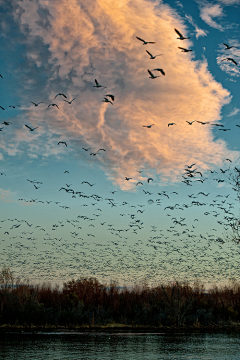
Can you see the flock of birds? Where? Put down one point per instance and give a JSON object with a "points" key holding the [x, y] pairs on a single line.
{"points": [[110, 237]]}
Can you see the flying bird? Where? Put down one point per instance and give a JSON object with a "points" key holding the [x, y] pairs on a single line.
{"points": [[148, 126], [171, 124], [190, 122], [98, 85], [107, 100], [151, 56], [6, 123], [145, 42], [203, 123], [230, 59], [151, 75], [2, 108], [69, 102], [61, 95], [149, 179], [181, 37], [184, 50], [53, 105], [62, 142], [127, 178], [229, 47], [31, 129], [86, 149], [112, 97], [158, 69], [36, 104]]}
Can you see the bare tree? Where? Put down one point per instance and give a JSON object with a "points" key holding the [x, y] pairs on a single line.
{"points": [[6, 277]]}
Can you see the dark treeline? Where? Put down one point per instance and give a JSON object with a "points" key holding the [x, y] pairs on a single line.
{"points": [[86, 302]]}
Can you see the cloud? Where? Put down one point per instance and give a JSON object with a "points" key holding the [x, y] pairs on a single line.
{"points": [[6, 195], [97, 40], [235, 111], [208, 12], [199, 32]]}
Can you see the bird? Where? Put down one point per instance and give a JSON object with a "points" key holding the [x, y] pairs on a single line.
{"points": [[86, 149], [171, 124], [149, 179], [31, 129], [2, 108], [145, 42], [61, 95], [62, 142], [203, 123], [112, 97], [151, 56], [224, 129], [86, 182], [184, 50], [148, 126], [127, 178], [53, 105], [36, 104], [158, 69], [69, 102], [6, 123], [139, 183], [151, 75], [190, 122], [229, 47], [107, 100], [101, 150], [98, 85], [230, 59], [181, 37]]}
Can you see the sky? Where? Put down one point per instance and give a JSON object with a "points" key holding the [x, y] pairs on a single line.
{"points": [[115, 154]]}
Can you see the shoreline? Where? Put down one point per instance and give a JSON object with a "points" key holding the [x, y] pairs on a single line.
{"points": [[115, 328]]}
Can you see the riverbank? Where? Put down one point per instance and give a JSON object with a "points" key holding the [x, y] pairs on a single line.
{"points": [[117, 328]]}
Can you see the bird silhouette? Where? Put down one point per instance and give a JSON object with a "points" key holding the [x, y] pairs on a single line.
{"points": [[151, 56], [145, 42], [98, 85], [183, 49], [181, 37], [31, 129], [62, 142], [230, 59], [60, 94], [151, 75]]}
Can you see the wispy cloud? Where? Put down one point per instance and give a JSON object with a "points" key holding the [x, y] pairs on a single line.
{"points": [[97, 40], [209, 11], [235, 111], [199, 32]]}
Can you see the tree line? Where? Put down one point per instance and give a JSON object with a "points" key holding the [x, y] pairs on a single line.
{"points": [[87, 302]]}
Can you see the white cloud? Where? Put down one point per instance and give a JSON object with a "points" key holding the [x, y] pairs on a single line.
{"points": [[97, 40], [235, 111], [208, 12], [199, 32]]}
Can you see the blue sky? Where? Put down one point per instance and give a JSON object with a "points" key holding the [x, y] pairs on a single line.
{"points": [[114, 223]]}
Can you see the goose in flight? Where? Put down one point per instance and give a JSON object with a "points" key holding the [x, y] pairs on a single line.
{"points": [[158, 69], [62, 142], [171, 124], [2, 108], [230, 59], [107, 100], [148, 126], [149, 179], [61, 95], [190, 122], [112, 97], [151, 75], [98, 85], [203, 123], [183, 49], [6, 123], [31, 129], [127, 178], [36, 104], [86, 149], [69, 102], [181, 37], [145, 42], [151, 56], [229, 47], [53, 105]]}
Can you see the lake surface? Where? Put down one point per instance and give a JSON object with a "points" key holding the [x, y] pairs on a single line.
{"points": [[120, 346]]}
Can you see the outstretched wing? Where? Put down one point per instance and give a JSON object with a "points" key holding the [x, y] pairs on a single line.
{"points": [[150, 73], [96, 82], [149, 53], [140, 39], [178, 32]]}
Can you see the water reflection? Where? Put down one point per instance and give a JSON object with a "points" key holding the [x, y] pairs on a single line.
{"points": [[122, 346]]}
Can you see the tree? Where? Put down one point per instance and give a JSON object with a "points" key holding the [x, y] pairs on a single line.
{"points": [[6, 277]]}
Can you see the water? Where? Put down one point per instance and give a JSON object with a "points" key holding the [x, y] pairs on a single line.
{"points": [[120, 346]]}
